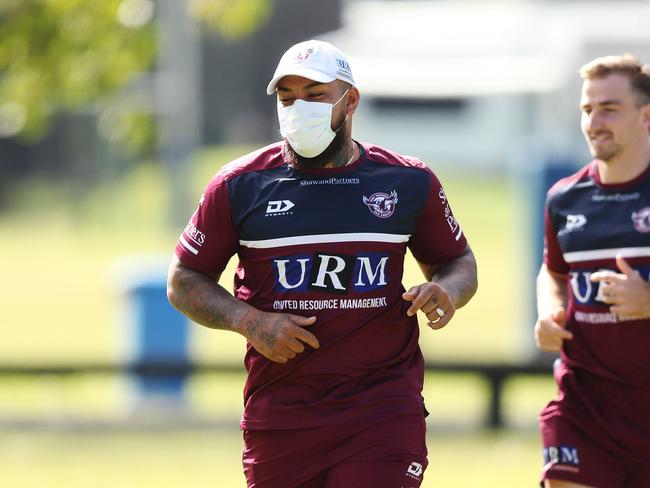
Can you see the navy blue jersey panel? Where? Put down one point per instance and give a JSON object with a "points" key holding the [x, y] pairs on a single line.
{"points": [[284, 202], [587, 216], [250, 193]]}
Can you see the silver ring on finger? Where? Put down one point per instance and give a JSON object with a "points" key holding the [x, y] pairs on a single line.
{"points": [[440, 312]]}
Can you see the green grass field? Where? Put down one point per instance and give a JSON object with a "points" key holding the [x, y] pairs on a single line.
{"points": [[213, 458], [460, 454], [61, 304]]}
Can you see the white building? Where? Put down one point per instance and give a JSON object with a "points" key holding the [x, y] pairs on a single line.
{"points": [[479, 83]]}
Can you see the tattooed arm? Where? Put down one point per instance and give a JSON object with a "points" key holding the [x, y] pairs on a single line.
{"points": [[277, 336], [450, 286]]}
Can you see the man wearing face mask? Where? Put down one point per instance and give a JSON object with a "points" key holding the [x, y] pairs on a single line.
{"points": [[321, 224]]}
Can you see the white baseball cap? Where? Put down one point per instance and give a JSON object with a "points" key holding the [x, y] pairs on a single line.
{"points": [[314, 60]]}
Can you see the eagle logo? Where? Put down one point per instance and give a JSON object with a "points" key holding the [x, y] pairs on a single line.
{"points": [[641, 220], [304, 54], [381, 204]]}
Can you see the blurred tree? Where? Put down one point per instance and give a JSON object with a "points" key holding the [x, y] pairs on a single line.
{"points": [[233, 20], [66, 54]]}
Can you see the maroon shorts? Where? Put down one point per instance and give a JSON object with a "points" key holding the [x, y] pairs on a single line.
{"points": [[571, 455], [360, 455]]}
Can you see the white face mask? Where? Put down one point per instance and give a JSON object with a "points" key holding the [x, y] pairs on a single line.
{"points": [[307, 126]]}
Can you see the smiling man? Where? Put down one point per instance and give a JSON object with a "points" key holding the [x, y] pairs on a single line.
{"points": [[320, 224], [593, 294]]}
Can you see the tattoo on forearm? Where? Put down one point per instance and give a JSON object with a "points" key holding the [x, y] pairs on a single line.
{"points": [[202, 299]]}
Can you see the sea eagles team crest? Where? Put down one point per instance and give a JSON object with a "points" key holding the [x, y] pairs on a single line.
{"points": [[381, 204], [304, 54], [641, 220]]}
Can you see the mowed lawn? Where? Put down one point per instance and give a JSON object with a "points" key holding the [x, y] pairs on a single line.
{"points": [[460, 453], [199, 458]]}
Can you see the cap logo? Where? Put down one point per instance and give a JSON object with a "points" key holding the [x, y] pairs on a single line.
{"points": [[343, 68], [343, 64], [304, 54]]}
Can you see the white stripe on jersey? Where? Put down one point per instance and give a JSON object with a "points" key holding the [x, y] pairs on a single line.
{"points": [[626, 252], [325, 238], [188, 246], [460, 232]]}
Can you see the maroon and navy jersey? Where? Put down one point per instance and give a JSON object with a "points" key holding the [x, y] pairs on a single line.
{"points": [[607, 363], [329, 243]]}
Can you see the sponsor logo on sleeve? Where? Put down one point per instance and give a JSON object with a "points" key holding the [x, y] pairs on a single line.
{"points": [[453, 224], [192, 238], [381, 204]]}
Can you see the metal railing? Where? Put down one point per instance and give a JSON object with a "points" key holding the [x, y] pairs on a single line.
{"points": [[495, 374]]}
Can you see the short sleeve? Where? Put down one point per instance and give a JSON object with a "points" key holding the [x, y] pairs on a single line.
{"points": [[438, 237], [553, 257], [209, 239]]}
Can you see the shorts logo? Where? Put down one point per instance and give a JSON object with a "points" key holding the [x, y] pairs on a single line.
{"points": [[567, 455], [381, 204], [414, 470], [641, 220], [279, 207]]}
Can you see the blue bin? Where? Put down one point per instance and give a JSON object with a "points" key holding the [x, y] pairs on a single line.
{"points": [[154, 334]]}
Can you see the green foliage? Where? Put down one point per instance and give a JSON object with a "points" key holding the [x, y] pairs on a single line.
{"points": [[66, 54], [62, 54], [233, 20]]}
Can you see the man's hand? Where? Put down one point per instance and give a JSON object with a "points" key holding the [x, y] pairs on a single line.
{"points": [[434, 301], [550, 332], [278, 336], [627, 293]]}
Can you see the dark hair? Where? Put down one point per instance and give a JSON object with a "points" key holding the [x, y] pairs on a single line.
{"points": [[626, 64]]}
